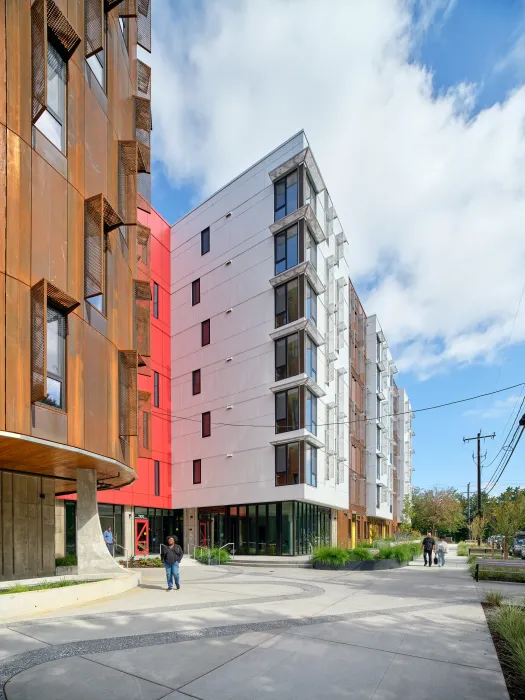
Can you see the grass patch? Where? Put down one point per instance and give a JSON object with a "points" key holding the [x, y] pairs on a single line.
{"points": [[462, 549], [402, 552], [364, 545], [359, 554], [213, 556], [331, 556], [21, 588], [494, 598], [508, 621], [68, 560]]}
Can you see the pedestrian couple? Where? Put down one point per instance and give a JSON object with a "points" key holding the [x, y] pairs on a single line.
{"points": [[431, 548], [172, 555]]}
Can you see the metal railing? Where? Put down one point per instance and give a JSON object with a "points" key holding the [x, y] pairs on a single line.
{"points": [[198, 546], [229, 544], [115, 544]]}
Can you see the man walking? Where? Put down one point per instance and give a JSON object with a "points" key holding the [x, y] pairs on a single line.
{"points": [[172, 556], [108, 539], [428, 548]]}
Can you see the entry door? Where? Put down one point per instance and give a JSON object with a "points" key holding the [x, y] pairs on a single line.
{"points": [[203, 533], [141, 537]]}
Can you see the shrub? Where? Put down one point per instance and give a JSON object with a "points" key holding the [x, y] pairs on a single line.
{"points": [[330, 556], [510, 575], [359, 554], [364, 545], [68, 560], [143, 563], [494, 598], [509, 622], [212, 556], [401, 552], [462, 549]]}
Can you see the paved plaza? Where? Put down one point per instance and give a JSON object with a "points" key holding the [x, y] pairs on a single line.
{"points": [[413, 633]]}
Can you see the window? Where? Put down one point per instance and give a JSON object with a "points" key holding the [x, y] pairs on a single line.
{"points": [[97, 63], [287, 464], [195, 292], [287, 410], [311, 465], [378, 408], [378, 496], [196, 381], [156, 393], [205, 332], [285, 195], [155, 300], [52, 122], [311, 412], [378, 374], [286, 303], [286, 249], [123, 24], [287, 357], [156, 476], [206, 424], [311, 250], [311, 358], [145, 429], [378, 439], [56, 358], [205, 241], [378, 349], [311, 304], [378, 466], [196, 471], [310, 195]]}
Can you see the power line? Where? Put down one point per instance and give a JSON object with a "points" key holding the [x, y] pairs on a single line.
{"points": [[522, 426], [486, 466], [510, 335]]}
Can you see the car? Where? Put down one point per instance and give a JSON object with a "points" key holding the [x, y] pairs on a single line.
{"points": [[517, 546]]}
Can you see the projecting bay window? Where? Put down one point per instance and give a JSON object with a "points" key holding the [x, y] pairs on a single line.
{"points": [[287, 303], [286, 249], [287, 464], [311, 465], [311, 412], [286, 195], [287, 357], [311, 304], [287, 410]]}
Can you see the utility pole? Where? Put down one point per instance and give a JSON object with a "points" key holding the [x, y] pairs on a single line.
{"points": [[479, 437], [468, 505]]}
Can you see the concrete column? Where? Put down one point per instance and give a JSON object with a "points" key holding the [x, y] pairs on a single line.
{"points": [[191, 529], [60, 528], [128, 530], [92, 552], [333, 517]]}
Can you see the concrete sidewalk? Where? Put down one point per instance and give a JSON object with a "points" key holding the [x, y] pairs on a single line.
{"points": [[413, 633]]}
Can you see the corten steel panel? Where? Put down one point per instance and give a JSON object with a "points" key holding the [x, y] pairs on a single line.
{"points": [[127, 8], [128, 168], [49, 224], [113, 404], [95, 146], [128, 393], [18, 240], [75, 246], [96, 397], [75, 14], [49, 153], [112, 150], [2, 352], [38, 57], [3, 67], [125, 91], [49, 424], [75, 384], [18, 357], [93, 27], [18, 34], [3, 193], [75, 126], [114, 68]]}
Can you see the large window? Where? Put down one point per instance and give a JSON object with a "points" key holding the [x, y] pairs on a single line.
{"points": [[378, 439], [196, 471], [311, 412], [205, 241], [311, 304], [311, 465], [286, 249], [196, 382], [206, 424], [52, 122], [287, 303], [97, 63], [311, 358], [155, 300], [156, 389], [311, 250], [56, 358], [205, 332], [287, 357], [287, 410], [286, 195], [287, 464], [310, 196], [156, 477], [195, 292]]}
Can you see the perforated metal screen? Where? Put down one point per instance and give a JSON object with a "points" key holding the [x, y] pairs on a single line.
{"points": [[128, 398], [93, 246], [143, 79], [128, 8], [142, 316], [38, 57], [144, 24], [93, 27], [127, 181], [145, 423], [143, 244], [62, 29]]}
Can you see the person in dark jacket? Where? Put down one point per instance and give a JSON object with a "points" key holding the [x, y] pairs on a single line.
{"points": [[172, 554], [429, 545]]}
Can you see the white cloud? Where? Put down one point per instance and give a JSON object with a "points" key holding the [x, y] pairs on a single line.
{"points": [[497, 409], [431, 197]]}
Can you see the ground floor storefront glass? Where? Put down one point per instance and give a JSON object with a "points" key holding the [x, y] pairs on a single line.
{"points": [[287, 528], [160, 523]]}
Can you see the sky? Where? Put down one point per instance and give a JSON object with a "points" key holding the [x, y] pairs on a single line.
{"points": [[415, 111]]}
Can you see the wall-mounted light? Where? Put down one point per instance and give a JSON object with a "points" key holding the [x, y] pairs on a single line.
{"points": [[229, 455], [228, 262], [228, 215], [228, 311], [229, 408], [229, 359]]}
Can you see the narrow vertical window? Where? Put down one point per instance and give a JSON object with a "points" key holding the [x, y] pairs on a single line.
{"points": [[285, 195], [205, 241], [311, 412], [157, 477], [97, 62], [286, 249], [155, 300], [52, 122], [206, 424], [196, 471], [145, 429], [195, 292], [311, 304], [196, 381], [311, 465], [311, 359], [123, 24], [56, 358], [205, 332], [156, 391]]}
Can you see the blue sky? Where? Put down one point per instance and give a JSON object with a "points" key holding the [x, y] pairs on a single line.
{"points": [[472, 53]]}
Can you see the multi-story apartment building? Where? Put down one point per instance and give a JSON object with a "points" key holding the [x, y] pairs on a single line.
{"points": [[74, 139], [260, 360], [404, 433], [380, 370], [353, 523]]}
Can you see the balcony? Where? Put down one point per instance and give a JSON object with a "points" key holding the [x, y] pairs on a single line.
{"points": [[298, 380], [301, 435], [302, 324], [304, 268]]}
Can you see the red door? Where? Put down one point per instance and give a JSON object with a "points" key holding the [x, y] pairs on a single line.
{"points": [[141, 536], [203, 533]]}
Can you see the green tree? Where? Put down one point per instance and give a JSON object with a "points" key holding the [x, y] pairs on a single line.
{"points": [[437, 510], [407, 515], [507, 512]]}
